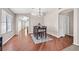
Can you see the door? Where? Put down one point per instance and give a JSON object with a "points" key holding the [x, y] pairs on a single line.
{"points": [[63, 25]]}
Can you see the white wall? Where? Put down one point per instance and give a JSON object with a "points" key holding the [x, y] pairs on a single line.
{"points": [[76, 26], [34, 20], [7, 36], [71, 23], [51, 21]]}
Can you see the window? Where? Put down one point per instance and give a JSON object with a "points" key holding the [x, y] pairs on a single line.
{"points": [[3, 29], [6, 22], [3, 22]]}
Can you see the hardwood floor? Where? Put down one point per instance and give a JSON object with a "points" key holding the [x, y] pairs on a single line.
{"points": [[22, 42]]}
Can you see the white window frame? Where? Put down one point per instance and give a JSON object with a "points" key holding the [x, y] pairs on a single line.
{"points": [[5, 20]]}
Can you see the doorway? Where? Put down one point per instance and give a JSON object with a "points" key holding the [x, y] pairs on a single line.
{"points": [[66, 23], [23, 24]]}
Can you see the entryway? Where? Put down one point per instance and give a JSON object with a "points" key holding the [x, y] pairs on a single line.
{"points": [[65, 22], [23, 24]]}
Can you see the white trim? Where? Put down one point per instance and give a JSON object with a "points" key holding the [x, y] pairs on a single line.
{"points": [[65, 9], [70, 35], [7, 40], [55, 35], [76, 44]]}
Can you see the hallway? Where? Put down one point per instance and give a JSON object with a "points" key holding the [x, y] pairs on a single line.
{"points": [[21, 42]]}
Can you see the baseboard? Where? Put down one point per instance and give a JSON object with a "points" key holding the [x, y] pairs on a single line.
{"points": [[8, 39], [69, 34], [56, 35], [76, 44]]}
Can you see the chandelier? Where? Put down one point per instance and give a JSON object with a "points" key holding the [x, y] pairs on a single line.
{"points": [[37, 12]]}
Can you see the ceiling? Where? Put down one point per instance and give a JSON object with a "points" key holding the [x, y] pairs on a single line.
{"points": [[30, 10], [21, 10]]}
